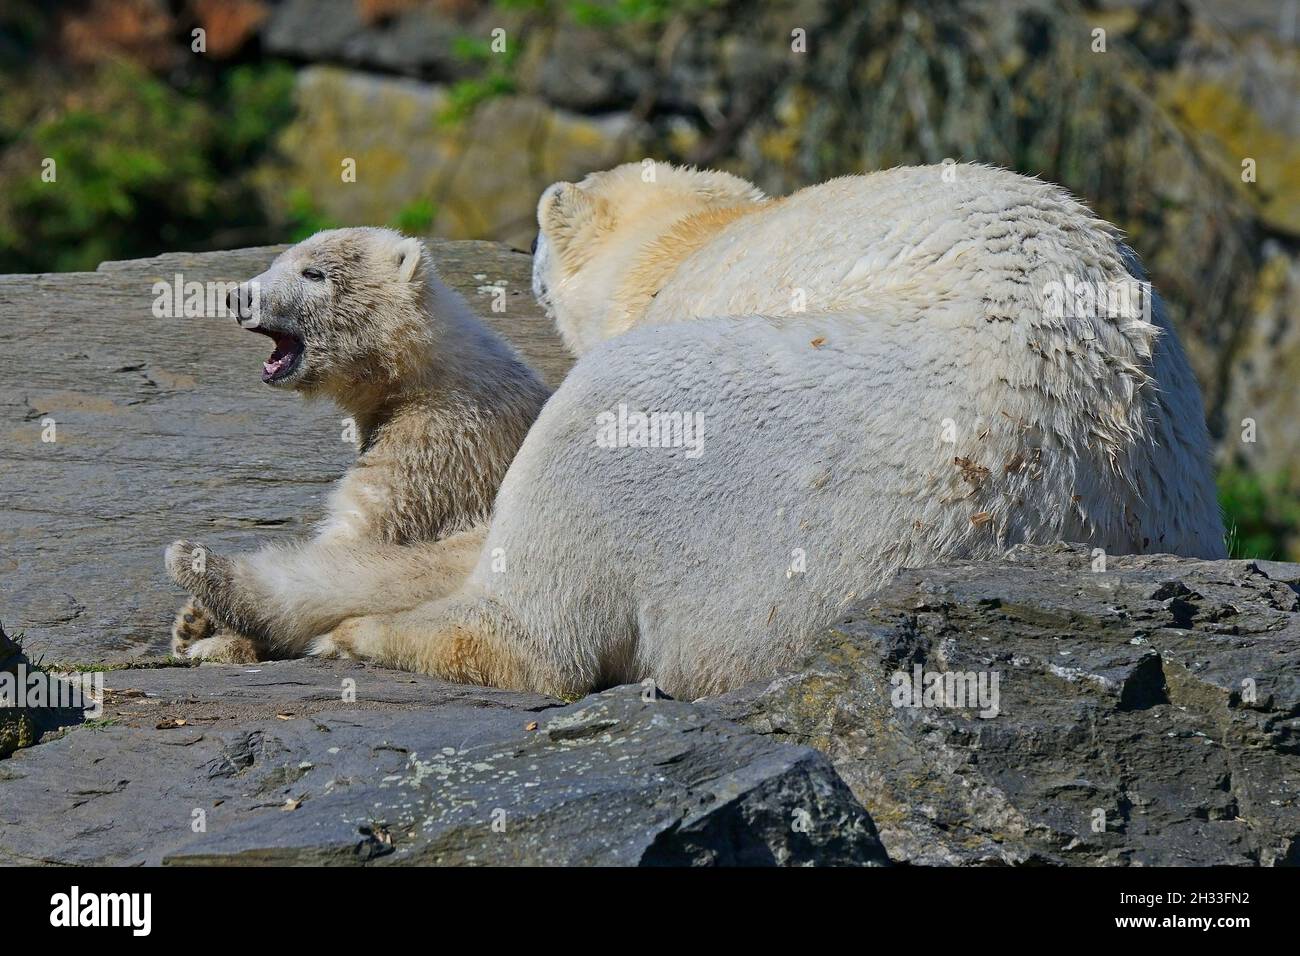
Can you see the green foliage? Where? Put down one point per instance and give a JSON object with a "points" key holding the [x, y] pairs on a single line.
{"points": [[615, 13], [499, 77], [465, 96], [1262, 515], [100, 723], [255, 104], [303, 216], [123, 156], [471, 49], [416, 218], [607, 13], [139, 167]]}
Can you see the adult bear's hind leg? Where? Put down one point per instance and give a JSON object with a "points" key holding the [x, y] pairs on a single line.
{"points": [[461, 639]]}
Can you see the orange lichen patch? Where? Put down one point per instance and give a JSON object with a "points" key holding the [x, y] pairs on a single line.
{"points": [[139, 30], [376, 11], [229, 23], [1231, 131]]}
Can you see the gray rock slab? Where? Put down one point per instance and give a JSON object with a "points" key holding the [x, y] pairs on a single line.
{"points": [[418, 40], [612, 780], [216, 744], [280, 764]]}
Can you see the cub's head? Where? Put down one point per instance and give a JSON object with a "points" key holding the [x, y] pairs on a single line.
{"points": [[345, 309], [594, 235]]}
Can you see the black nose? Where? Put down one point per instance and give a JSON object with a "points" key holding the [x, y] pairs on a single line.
{"points": [[240, 302]]}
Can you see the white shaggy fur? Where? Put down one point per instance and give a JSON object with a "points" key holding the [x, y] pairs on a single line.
{"points": [[927, 405], [979, 257]]}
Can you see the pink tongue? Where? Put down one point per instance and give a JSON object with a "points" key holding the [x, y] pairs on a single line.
{"points": [[273, 366]]}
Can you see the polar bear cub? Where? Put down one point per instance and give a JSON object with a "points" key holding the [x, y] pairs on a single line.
{"points": [[888, 370], [440, 403]]}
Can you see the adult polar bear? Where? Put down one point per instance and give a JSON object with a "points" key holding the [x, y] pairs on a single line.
{"points": [[930, 404]]}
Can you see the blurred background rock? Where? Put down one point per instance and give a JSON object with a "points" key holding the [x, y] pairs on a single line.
{"points": [[1184, 131]]}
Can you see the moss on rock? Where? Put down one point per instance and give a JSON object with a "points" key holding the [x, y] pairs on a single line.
{"points": [[17, 728]]}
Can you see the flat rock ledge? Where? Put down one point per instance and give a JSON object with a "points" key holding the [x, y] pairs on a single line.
{"points": [[1147, 714], [312, 762]]}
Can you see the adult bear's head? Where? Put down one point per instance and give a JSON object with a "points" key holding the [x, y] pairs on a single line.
{"points": [[605, 242]]}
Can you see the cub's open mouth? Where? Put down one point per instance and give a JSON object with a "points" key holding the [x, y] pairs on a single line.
{"points": [[284, 360]]}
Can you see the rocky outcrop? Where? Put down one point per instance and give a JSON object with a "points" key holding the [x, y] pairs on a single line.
{"points": [[1145, 714], [476, 176]]}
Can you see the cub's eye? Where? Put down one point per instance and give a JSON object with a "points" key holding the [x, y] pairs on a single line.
{"points": [[315, 275], [533, 250]]}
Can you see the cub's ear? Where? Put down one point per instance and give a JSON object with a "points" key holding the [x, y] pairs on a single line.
{"points": [[410, 256]]}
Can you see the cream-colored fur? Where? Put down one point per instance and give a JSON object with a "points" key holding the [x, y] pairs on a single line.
{"points": [[884, 381], [441, 405], [608, 244]]}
